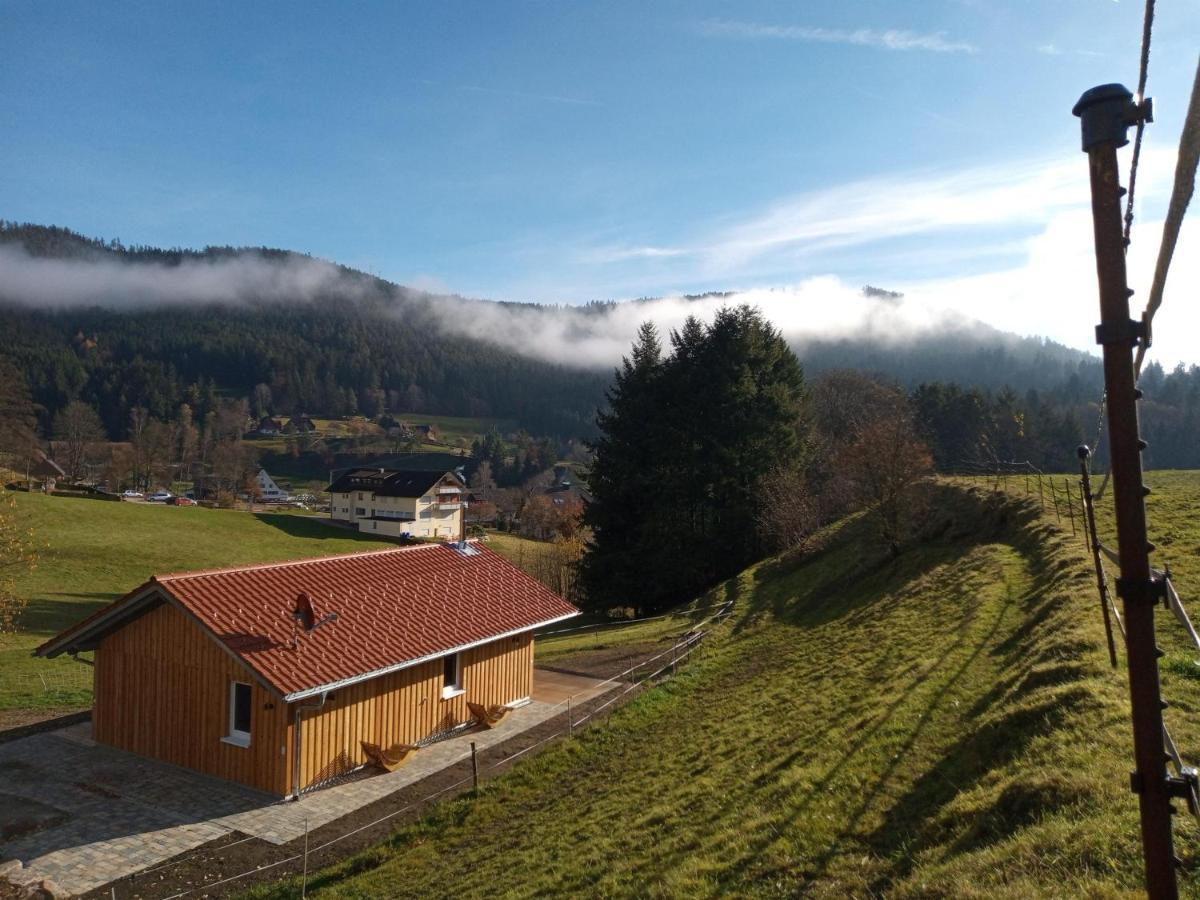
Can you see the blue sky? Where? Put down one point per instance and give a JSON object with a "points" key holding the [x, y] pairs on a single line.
{"points": [[561, 151]]}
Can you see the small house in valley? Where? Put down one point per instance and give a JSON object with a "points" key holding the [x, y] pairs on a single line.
{"points": [[275, 675], [44, 469], [267, 489], [299, 425], [268, 426], [400, 503]]}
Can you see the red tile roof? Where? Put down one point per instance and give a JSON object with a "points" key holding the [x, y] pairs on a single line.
{"points": [[394, 607]]}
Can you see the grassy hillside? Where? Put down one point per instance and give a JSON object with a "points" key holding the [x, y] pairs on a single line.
{"points": [[94, 551], [943, 724]]}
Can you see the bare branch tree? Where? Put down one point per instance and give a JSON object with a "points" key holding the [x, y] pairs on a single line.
{"points": [[77, 427], [884, 463]]}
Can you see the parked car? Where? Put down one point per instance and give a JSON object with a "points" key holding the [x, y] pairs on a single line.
{"points": [[132, 495], [160, 496], [181, 501]]}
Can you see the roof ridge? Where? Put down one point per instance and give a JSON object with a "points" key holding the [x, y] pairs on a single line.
{"points": [[252, 567]]}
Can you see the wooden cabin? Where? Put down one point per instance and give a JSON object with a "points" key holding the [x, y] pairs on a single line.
{"points": [[272, 675]]}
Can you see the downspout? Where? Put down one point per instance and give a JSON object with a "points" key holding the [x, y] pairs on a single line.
{"points": [[300, 711]]}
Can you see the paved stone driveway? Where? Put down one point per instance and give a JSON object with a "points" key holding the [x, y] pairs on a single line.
{"points": [[117, 813]]}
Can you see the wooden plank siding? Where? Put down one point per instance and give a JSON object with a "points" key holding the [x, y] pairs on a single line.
{"points": [[406, 706], [162, 690]]}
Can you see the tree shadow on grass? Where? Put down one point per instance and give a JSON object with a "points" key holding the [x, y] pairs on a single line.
{"points": [[948, 680], [798, 587], [914, 823], [43, 615], [312, 528], [835, 582]]}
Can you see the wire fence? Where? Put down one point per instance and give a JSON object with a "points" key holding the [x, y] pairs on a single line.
{"points": [[620, 623], [57, 681], [1059, 493], [1071, 502], [652, 670]]}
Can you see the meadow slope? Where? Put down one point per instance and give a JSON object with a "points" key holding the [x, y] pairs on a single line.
{"points": [[941, 724], [93, 552]]}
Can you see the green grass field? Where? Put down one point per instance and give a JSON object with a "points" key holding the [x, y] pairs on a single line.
{"points": [[944, 724], [516, 549], [95, 551]]}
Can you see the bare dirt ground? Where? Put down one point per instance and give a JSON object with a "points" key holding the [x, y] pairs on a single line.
{"points": [[609, 662], [18, 718]]}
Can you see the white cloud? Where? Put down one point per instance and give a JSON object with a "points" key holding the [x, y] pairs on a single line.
{"points": [[963, 205], [816, 309], [42, 282], [889, 39], [1054, 292]]}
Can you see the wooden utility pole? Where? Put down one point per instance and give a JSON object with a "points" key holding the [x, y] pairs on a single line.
{"points": [[1106, 112]]}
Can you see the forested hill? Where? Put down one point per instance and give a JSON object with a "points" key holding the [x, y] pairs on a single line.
{"points": [[355, 344], [142, 326]]}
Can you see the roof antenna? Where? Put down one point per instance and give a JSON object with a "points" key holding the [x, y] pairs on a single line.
{"points": [[304, 617]]}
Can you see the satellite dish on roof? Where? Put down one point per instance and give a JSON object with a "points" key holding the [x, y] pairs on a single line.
{"points": [[304, 617]]}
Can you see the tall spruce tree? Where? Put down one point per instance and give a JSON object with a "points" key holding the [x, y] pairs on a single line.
{"points": [[688, 441], [620, 552]]}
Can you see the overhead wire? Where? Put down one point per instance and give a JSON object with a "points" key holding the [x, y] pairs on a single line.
{"points": [[1143, 72], [1181, 196]]}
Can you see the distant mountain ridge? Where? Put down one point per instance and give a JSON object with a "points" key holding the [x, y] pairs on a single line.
{"points": [[155, 326]]}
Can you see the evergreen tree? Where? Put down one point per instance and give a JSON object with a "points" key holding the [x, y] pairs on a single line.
{"points": [[688, 442], [619, 558]]}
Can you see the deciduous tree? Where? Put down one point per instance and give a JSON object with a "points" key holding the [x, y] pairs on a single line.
{"points": [[77, 428], [18, 554], [885, 462]]}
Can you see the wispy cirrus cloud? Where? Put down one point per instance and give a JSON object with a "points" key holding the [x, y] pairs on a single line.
{"points": [[869, 212], [888, 39]]}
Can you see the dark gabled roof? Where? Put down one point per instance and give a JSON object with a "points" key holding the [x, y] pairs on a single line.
{"points": [[44, 467], [396, 608], [387, 482]]}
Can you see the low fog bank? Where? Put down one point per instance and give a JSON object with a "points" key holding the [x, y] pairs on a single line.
{"points": [[51, 283], [815, 311], [818, 310]]}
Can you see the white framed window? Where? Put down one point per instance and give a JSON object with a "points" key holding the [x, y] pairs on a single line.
{"points": [[451, 676], [239, 714]]}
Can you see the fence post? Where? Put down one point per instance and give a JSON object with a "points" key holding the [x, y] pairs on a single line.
{"points": [[1070, 507], [474, 768], [304, 876], [1106, 112], [1054, 497], [1085, 496]]}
